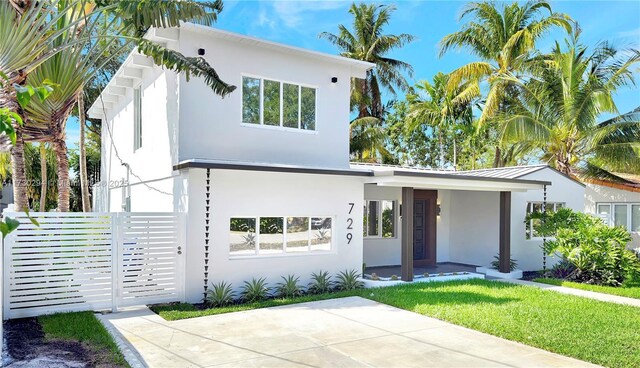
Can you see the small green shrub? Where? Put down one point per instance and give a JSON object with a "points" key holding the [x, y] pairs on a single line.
{"points": [[496, 264], [320, 283], [597, 251], [289, 287], [219, 295], [255, 290], [348, 280]]}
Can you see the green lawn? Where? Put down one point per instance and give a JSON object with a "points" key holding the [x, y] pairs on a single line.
{"points": [[599, 332], [628, 289], [85, 328]]}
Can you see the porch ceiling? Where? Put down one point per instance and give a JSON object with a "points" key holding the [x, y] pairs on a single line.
{"points": [[424, 180]]}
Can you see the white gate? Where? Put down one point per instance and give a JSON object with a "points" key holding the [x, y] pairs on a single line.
{"points": [[92, 261]]}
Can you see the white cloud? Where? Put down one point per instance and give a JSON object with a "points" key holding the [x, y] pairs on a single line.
{"points": [[294, 14]]}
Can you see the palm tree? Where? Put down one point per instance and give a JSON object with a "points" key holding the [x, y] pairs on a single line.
{"points": [[502, 36], [557, 111], [440, 107], [72, 67], [367, 42]]}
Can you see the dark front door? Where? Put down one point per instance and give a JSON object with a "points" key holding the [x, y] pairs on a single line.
{"points": [[424, 227]]}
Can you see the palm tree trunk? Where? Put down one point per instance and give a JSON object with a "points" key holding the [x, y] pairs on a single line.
{"points": [[8, 100], [18, 173], [441, 144], [455, 153], [43, 177], [497, 159], [84, 183], [60, 148]]}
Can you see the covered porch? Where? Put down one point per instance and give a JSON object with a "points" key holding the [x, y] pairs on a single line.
{"points": [[438, 223]]}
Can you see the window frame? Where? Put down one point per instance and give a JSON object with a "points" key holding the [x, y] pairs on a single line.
{"points": [[380, 219], [284, 253], [137, 117], [281, 127], [529, 225], [610, 221]]}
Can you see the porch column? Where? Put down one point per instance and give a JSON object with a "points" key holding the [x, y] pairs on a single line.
{"points": [[406, 261], [505, 232]]}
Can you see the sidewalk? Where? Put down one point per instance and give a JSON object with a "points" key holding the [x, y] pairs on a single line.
{"points": [[583, 293]]}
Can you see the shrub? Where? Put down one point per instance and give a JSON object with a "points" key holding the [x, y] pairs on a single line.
{"points": [[219, 295], [289, 287], [348, 280], [597, 250], [496, 264], [254, 291], [320, 283], [562, 269]]}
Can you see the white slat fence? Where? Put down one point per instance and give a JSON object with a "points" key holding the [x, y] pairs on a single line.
{"points": [[92, 261]]}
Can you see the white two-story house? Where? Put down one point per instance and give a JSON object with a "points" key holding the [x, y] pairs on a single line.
{"points": [[264, 176]]}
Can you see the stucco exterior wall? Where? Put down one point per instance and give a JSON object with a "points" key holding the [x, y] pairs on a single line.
{"points": [[473, 237], [595, 194], [528, 252], [153, 162], [211, 126], [245, 193]]}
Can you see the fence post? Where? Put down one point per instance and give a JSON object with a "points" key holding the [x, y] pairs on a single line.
{"points": [[7, 243], [115, 260]]}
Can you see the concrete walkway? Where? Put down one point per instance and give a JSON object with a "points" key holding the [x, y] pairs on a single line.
{"points": [[347, 332], [583, 293]]}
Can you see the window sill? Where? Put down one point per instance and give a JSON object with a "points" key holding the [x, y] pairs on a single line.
{"points": [[379, 238], [279, 128], [284, 255]]}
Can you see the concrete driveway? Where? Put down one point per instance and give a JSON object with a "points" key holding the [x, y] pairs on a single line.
{"points": [[348, 332]]}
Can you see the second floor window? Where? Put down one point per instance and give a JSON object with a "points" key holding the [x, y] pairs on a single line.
{"points": [[137, 118], [273, 103]]}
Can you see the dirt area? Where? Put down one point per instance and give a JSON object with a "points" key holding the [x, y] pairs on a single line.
{"points": [[26, 346]]}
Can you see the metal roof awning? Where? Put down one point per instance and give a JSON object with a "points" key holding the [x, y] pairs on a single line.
{"points": [[256, 166], [440, 180]]}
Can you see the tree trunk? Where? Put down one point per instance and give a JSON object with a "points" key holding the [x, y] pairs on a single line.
{"points": [[43, 177], [455, 153], [84, 183], [441, 144], [497, 159], [8, 100], [18, 173], [60, 148]]}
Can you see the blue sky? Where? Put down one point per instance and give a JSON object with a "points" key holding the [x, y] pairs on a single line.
{"points": [[298, 23]]}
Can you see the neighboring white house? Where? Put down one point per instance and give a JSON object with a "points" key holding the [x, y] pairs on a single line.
{"points": [[616, 204], [264, 174]]}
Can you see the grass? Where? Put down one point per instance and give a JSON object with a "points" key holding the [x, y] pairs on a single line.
{"points": [[629, 289], [599, 332], [85, 328]]}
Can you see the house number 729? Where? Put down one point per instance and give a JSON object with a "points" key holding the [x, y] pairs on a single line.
{"points": [[350, 224]]}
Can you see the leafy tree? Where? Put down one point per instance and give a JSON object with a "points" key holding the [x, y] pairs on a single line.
{"points": [[72, 67], [368, 42], [442, 108], [501, 35], [558, 108]]}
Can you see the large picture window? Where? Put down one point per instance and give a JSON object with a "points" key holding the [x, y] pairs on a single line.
{"points": [[279, 104], [250, 236], [626, 215], [530, 228], [380, 219]]}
